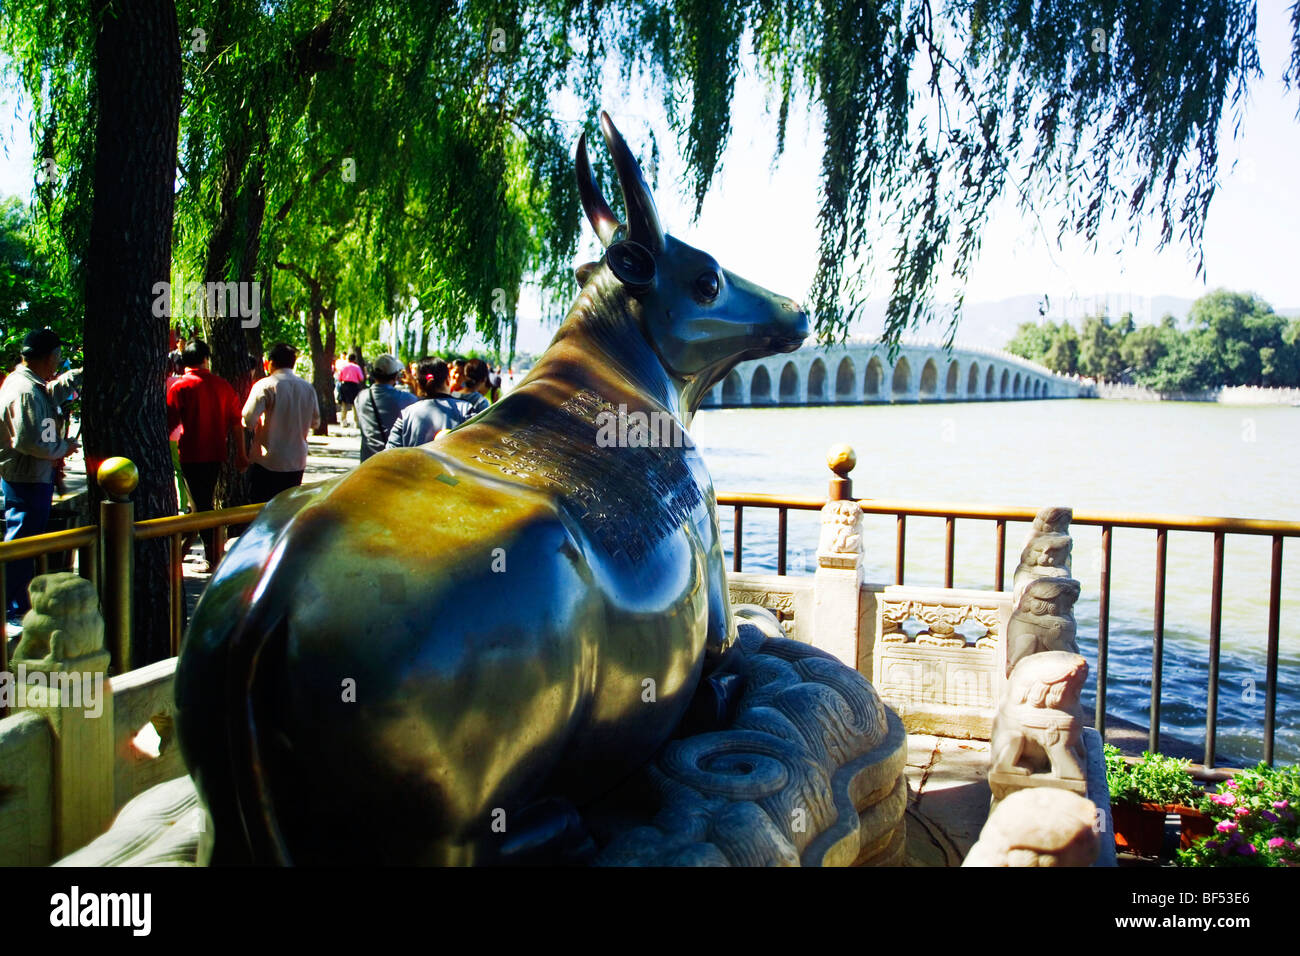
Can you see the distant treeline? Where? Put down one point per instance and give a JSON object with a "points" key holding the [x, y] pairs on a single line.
{"points": [[1230, 338]]}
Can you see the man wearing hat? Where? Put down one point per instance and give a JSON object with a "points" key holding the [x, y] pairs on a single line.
{"points": [[378, 406], [30, 446]]}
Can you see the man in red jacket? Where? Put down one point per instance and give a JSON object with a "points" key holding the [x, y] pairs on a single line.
{"points": [[207, 409]]}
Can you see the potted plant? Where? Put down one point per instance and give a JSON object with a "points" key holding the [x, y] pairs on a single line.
{"points": [[1254, 821], [1144, 793], [1139, 824]]}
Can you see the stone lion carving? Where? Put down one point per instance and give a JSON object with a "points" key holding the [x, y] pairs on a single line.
{"points": [[64, 623], [1046, 552], [841, 527], [1043, 619], [1038, 828], [1039, 728]]}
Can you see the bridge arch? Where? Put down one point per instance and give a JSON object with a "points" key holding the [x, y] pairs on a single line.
{"points": [[846, 380], [789, 384], [989, 383], [973, 380], [871, 380], [1005, 384], [901, 383], [929, 379], [732, 389], [817, 381], [760, 387], [954, 379], [1015, 387]]}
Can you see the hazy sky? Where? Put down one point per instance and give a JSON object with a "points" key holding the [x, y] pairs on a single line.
{"points": [[761, 222]]}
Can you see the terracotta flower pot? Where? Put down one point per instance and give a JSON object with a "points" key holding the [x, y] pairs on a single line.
{"points": [[1194, 824], [1140, 828]]}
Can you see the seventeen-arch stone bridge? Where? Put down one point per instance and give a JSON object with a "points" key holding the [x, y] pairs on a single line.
{"points": [[861, 372]]}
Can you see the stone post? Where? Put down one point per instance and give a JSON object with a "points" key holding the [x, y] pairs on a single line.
{"points": [[60, 666], [837, 584]]}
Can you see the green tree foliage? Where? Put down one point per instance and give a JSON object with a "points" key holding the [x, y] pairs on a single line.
{"points": [[30, 297], [463, 173], [1056, 346], [1232, 338]]}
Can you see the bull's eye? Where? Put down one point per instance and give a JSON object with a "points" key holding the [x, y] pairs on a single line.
{"points": [[706, 286]]}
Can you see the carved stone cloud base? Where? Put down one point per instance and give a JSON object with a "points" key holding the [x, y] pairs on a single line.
{"points": [[809, 774]]}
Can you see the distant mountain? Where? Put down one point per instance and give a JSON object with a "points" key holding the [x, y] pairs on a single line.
{"points": [[994, 324]]}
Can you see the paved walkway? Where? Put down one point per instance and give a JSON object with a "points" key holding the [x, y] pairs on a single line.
{"points": [[948, 798]]}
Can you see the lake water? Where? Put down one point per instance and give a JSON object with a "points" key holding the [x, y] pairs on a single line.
{"points": [[1153, 457]]}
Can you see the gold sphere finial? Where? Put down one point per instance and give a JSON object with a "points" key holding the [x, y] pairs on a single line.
{"points": [[841, 459], [118, 477]]}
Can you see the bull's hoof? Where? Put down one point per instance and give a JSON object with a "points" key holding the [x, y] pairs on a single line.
{"points": [[549, 832]]}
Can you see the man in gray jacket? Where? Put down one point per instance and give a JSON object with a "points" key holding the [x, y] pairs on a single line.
{"points": [[30, 445], [378, 406]]}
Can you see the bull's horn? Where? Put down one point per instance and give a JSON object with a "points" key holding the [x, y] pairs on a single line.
{"points": [[642, 217], [593, 203]]}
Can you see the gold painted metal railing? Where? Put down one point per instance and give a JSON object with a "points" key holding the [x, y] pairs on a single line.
{"points": [[1106, 520]]}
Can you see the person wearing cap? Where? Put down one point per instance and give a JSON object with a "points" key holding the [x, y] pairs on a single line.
{"points": [[379, 405], [282, 409], [30, 448], [207, 409]]}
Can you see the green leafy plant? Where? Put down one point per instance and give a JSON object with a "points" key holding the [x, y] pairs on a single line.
{"points": [[1119, 777], [1255, 821], [1167, 781], [1155, 779]]}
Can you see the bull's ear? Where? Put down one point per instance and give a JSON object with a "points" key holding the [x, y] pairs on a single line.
{"points": [[584, 271], [632, 263]]}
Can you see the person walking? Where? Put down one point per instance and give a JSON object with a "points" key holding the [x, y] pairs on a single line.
{"points": [[350, 378], [421, 422], [281, 410], [30, 447], [378, 406], [207, 409]]}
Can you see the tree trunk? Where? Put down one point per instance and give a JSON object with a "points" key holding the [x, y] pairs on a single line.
{"points": [[320, 348], [322, 357], [138, 83]]}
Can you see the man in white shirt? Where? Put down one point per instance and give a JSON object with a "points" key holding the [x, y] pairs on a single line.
{"points": [[281, 409]]}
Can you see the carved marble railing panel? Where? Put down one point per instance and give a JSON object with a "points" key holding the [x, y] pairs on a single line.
{"points": [[945, 672], [143, 697], [789, 598], [26, 790]]}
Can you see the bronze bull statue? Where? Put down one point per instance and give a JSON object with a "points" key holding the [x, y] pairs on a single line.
{"points": [[437, 657]]}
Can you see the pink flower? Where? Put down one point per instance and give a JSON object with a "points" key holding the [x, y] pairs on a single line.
{"points": [[1281, 804], [1276, 843], [1232, 785], [1226, 826], [1242, 811], [1223, 799]]}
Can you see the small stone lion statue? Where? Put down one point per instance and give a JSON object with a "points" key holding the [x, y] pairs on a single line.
{"points": [[1046, 552], [841, 527], [1043, 619], [64, 623], [1039, 827], [1039, 728]]}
